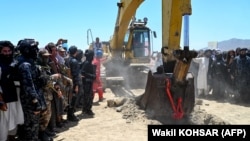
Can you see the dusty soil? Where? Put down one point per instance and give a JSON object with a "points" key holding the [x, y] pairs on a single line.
{"points": [[124, 120], [227, 111]]}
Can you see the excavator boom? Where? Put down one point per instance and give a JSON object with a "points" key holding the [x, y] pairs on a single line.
{"points": [[127, 9]]}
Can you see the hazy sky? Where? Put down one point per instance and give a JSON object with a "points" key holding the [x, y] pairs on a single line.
{"points": [[49, 20]]}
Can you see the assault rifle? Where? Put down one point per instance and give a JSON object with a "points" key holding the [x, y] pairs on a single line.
{"points": [[66, 80], [64, 71]]}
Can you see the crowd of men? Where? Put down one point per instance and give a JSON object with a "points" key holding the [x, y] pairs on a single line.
{"points": [[39, 85], [223, 74]]}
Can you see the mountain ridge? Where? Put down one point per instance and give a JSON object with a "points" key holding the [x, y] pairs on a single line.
{"points": [[230, 44], [233, 43]]}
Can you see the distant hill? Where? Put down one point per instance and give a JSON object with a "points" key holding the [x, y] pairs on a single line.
{"points": [[233, 44]]}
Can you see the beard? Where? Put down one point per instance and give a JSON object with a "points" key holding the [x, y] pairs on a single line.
{"points": [[6, 59], [243, 55]]}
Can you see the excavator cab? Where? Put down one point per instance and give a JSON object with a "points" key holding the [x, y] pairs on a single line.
{"points": [[140, 40], [137, 43], [135, 58]]}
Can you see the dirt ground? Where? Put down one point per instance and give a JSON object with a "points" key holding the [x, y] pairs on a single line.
{"points": [[128, 122]]}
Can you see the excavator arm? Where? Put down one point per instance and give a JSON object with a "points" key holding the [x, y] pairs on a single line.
{"points": [[172, 12], [175, 60], [170, 92], [126, 10]]}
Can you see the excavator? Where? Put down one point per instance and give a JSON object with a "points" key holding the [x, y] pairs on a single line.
{"points": [[169, 92], [129, 49]]}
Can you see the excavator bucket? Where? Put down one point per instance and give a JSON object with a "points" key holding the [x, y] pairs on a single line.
{"points": [[166, 100]]}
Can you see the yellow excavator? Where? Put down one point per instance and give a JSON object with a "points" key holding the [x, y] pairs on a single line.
{"points": [[130, 48], [170, 91]]}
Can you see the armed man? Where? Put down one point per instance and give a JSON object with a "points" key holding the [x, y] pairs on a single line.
{"points": [[47, 90], [88, 73], [74, 66], [33, 102], [59, 104], [79, 58]]}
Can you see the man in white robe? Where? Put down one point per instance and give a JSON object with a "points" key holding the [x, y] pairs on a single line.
{"points": [[201, 86], [11, 112]]}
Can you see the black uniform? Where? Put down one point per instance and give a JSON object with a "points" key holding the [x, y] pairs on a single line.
{"points": [[89, 74], [75, 74], [218, 72]]}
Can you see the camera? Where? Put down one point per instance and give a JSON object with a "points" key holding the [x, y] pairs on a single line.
{"points": [[64, 41]]}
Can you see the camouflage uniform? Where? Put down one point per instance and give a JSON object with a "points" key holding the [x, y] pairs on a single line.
{"points": [[46, 90], [32, 100], [46, 115], [57, 102]]}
